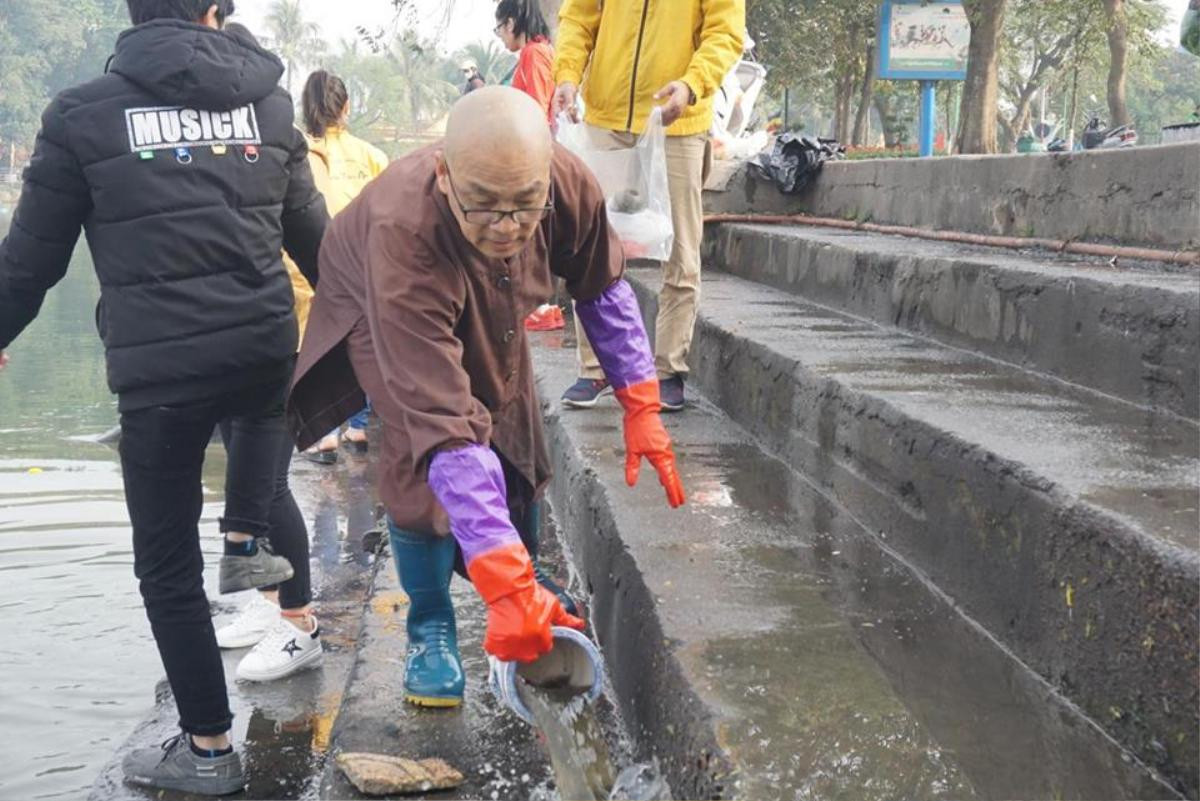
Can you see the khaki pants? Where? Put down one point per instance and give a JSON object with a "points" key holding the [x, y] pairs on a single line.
{"points": [[687, 166]]}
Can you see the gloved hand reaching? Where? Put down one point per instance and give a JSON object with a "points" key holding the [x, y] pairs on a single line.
{"points": [[469, 483], [613, 324], [646, 437]]}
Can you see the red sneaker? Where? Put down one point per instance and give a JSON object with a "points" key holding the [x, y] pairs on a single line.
{"points": [[545, 318]]}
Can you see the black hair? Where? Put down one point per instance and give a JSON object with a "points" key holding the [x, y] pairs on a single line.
{"points": [[325, 97], [188, 10], [526, 16]]}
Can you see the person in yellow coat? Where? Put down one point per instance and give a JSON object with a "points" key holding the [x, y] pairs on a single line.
{"points": [[630, 55], [342, 164]]}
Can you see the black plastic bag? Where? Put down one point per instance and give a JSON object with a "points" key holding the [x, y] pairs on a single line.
{"points": [[795, 160]]}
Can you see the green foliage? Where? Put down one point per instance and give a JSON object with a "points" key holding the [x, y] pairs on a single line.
{"points": [[46, 46], [1163, 85], [816, 48], [294, 39], [1189, 32], [398, 86]]}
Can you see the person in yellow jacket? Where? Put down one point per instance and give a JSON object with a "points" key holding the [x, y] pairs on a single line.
{"points": [[342, 164], [630, 55]]}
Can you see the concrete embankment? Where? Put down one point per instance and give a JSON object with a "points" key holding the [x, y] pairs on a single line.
{"points": [[1137, 196], [766, 642]]}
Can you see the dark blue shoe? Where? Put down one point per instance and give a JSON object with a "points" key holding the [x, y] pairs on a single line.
{"points": [[670, 391], [532, 538], [433, 674], [585, 392], [568, 603]]}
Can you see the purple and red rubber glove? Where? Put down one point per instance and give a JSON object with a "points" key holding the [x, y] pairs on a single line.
{"points": [[469, 483], [613, 324]]}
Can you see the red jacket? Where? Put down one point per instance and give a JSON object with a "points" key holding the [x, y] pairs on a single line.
{"points": [[535, 72]]}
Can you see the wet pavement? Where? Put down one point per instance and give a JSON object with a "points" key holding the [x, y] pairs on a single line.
{"points": [[1062, 520], [499, 755], [284, 728], [79, 665], [81, 671], [828, 667]]}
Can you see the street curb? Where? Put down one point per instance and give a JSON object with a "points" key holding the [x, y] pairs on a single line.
{"points": [[656, 700]]}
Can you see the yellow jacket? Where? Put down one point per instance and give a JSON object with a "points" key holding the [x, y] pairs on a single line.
{"points": [[637, 47], [342, 165]]}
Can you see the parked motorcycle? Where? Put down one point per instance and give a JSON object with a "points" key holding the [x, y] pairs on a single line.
{"points": [[1097, 137]]}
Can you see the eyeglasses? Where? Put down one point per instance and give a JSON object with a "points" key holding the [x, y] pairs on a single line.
{"points": [[500, 27], [493, 216]]}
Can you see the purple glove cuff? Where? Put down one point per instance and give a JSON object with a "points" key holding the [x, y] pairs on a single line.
{"points": [[613, 324], [469, 483]]}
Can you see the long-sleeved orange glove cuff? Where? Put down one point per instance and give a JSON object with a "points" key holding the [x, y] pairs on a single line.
{"points": [[646, 436], [520, 611]]}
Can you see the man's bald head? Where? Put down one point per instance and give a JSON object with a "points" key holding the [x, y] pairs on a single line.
{"points": [[496, 157], [498, 124]]}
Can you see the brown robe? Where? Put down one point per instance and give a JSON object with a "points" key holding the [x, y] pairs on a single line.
{"points": [[432, 329]]}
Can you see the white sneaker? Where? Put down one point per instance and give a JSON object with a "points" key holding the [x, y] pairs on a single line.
{"points": [[250, 625], [284, 651]]}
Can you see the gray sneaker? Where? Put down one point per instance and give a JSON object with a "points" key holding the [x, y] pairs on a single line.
{"points": [[262, 569], [174, 766]]}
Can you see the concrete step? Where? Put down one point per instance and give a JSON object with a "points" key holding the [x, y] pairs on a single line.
{"points": [[1131, 333], [1062, 521], [764, 643]]}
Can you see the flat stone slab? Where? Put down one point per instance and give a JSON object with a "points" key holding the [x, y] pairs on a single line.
{"points": [[383, 774]]}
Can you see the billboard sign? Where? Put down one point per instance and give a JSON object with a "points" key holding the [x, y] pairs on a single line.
{"points": [[924, 40]]}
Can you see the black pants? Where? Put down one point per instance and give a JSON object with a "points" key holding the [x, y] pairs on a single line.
{"points": [[162, 454], [287, 532]]}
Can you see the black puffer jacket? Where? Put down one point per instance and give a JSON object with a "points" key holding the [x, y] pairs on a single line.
{"points": [[183, 166]]}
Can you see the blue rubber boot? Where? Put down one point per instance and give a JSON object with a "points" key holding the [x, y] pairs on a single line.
{"points": [[433, 674]]}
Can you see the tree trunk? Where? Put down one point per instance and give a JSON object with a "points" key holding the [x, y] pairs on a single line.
{"points": [[1019, 120], [948, 105], [862, 121], [1118, 48], [884, 106], [977, 120], [1073, 113]]}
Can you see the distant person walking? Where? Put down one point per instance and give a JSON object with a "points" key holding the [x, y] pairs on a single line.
{"points": [[471, 77]]}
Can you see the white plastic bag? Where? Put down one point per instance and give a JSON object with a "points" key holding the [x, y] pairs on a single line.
{"points": [[634, 181]]}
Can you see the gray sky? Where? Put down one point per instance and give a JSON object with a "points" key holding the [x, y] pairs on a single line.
{"points": [[471, 21]]}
